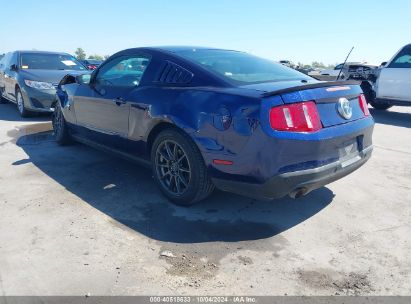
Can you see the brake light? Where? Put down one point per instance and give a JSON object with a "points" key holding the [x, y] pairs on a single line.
{"points": [[364, 105], [297, 117]]}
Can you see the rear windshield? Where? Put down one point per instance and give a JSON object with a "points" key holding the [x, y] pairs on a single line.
{"points": [[241, 67], [39, 61]]}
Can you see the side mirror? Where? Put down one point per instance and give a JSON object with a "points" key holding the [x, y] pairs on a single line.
{"points": [[83, 79], [383, 64], [14, 67]]}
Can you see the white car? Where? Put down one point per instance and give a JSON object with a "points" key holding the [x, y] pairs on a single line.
{"points": [[333, 73], [351, 70], [393, 86]]}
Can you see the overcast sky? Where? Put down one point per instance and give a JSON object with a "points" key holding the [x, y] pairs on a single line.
{"points": [[298, 30]]}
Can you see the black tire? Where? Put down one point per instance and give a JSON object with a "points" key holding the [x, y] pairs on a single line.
{"points": [[21, 105], [368, 92], [179, 170], [380, 106], [370, 96], [61, 133], [2, 100]]}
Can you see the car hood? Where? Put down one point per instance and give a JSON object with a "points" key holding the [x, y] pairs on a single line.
{"points": [[275, 86], [53, 76]]}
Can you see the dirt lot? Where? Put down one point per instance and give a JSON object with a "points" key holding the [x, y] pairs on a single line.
{"points": [[76, 221]]}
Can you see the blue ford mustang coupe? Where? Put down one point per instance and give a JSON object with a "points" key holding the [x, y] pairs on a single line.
{"points": [[205, 118]]}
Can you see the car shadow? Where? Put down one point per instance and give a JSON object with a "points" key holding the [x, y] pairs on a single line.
{"points": [[398, 119], [127, 193], [9, 112]]}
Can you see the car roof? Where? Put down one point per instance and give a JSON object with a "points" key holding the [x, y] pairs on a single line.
{"points": [[40, 52], [174, 49], [179, 48]]}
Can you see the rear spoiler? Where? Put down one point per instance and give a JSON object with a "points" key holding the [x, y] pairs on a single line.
{"points": [[311, 86]]}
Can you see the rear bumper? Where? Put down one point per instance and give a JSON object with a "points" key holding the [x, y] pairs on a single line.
{"points": [[297, 182]]}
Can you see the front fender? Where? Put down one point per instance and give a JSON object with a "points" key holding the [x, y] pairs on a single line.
{"points": [[65, 96]]}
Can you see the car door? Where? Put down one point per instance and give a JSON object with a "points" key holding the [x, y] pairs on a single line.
{"points": [[394, 81], [103, 107], [10, 76], [4, 74]]}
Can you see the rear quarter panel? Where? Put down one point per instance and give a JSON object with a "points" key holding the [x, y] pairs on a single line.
{"points": [[199, 112]]}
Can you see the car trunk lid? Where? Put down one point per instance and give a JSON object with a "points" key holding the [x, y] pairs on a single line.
{"points": [[328, 96]]}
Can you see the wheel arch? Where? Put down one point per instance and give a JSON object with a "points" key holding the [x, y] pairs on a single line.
{"points": [[158, 128], [368, 90], [16, 87]]}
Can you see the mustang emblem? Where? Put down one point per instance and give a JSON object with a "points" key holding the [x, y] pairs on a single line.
{"points": [[344, 108]]}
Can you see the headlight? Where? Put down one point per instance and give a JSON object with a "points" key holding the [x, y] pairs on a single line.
{"points": [[39, 85]]}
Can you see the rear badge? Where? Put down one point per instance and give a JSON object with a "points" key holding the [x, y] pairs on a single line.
{"points": [[334, 89], [344, 108]]}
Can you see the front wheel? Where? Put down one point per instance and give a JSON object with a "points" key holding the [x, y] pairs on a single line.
{"points": [[179, 169], [2, 99], [380, 106], [61, 133], [370, 97], [21, 105]]}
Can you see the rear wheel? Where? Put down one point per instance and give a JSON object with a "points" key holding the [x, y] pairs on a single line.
{"points": [[21, 105], [179, 168], [61, 133]]}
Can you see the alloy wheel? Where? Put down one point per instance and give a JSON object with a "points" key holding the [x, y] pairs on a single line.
{"points": [[57, 121], [20, 103], [173, 167]]}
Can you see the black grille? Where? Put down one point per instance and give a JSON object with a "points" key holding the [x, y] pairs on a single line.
{"points": [[172, 73]]}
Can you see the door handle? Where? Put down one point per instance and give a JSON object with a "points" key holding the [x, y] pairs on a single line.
{"points": [[119, 101]]}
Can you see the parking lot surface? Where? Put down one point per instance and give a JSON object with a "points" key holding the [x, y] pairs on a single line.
{"points": [[76, 221]]}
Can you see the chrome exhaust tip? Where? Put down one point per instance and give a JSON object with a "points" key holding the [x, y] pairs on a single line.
{"points": [[299, 192]]}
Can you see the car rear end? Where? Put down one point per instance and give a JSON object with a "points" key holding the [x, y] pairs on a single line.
{"points": [[309, 136]]}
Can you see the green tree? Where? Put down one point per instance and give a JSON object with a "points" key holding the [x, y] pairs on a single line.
{"points": [[96, 57], [316, 64], [80, 54]]}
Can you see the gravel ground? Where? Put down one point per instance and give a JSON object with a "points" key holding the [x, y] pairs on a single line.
{"points": [[76, 221]]}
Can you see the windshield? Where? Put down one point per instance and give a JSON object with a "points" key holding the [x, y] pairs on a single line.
{"points": [[45, 61], [242, 67]]}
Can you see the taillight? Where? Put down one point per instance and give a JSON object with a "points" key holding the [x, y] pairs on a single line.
{"points": [[297, 117], [364, 105]]}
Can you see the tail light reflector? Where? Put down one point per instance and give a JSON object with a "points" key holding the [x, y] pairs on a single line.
{"points": [[297, 117], [364, 105], [222, 162]]}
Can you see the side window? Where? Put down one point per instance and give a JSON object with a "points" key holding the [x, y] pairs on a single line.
{"points": [[6, 61], [339, 67], [13, 59], [402, 60], [123, 71]]}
